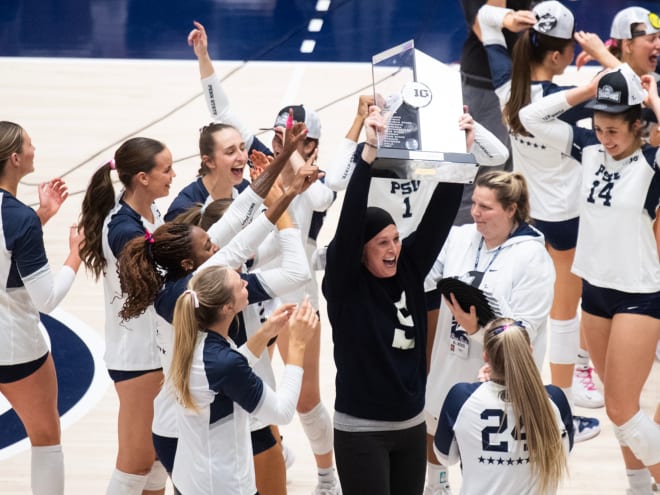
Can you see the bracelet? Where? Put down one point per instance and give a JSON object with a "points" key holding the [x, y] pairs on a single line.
{"points": [[374, 146]]}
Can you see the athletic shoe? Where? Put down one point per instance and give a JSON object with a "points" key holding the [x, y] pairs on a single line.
{"points": [[328, 488], [289, 456], [585, 393], [585, 428], [437, 489]]}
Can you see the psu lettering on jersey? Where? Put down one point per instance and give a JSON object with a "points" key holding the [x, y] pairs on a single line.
{"points": [[404, 187]]}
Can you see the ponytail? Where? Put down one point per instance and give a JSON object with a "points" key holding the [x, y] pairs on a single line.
{"points": [[195, 310], [185, 339], [530, 50], [507, 345], [97, 204], [146, 262]]}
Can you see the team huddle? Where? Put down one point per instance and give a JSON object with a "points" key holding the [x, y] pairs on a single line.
{"points": [[197, 300]]}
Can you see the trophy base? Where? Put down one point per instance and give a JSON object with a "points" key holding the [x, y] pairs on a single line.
{"points": [[425, 165]]}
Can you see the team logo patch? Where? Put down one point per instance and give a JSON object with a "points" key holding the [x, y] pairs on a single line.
{"points": [[606, 92], [81, 378], [546, 23]]}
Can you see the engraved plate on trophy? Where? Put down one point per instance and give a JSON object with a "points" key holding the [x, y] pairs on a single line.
{"points": [[421, 100]]}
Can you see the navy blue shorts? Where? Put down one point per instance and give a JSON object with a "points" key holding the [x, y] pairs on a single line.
{"points": [[561, 236], [120, 376], [14, 372], [165, 448], [262, 440], [605, 303]]}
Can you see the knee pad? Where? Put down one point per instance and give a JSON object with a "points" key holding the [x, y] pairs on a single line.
{"points": [[122, 483], [642, 435], [157, 477], [318, 429], [564, 341]]}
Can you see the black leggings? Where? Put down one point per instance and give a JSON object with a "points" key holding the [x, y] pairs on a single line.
{"points": [[382, 462]]}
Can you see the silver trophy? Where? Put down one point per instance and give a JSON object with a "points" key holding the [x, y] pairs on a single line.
{"points": [[421, 100]]}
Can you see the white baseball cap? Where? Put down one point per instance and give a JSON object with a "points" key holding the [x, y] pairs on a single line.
{"points": [[554, 19], [624, 20]]}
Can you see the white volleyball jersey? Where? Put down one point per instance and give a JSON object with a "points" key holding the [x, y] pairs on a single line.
{"points": [[616, 248], [214, 452], [129, 345], [553, 177], [477, 428], [26, 282], [406, 199]]}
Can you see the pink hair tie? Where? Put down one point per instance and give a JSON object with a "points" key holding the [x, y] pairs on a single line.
{"points": [[148, 237], [112, 164], [611, 43]]}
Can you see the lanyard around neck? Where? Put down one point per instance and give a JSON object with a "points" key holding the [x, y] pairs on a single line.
{"points": [[476, 260]]}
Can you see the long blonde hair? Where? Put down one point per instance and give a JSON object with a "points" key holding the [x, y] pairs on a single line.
{"points": [[196, 309], [507, 345]]}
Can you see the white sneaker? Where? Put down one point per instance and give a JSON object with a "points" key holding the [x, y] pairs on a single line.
{"points": [[585, 428], [437, 489], [326, 488], [289, 456], [585, 393]]}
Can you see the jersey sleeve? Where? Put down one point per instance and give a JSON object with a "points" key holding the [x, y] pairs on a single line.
{"points": [[28, 251], [232, 376], [294, 270], [559, 398], [238, 215], [540, 118], [218, 105], [487, 149], [24, 236], [120, 233], [279, 407], [339, 172], [242, 246], [445, 445]]}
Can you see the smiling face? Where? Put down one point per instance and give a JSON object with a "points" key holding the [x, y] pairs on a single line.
{"points": [[616, 135], [229, 157], [380, 254], [161, 175], [493, 221]]}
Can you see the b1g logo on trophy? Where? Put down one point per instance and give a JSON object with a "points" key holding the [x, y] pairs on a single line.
{"points": [[422, 101]]}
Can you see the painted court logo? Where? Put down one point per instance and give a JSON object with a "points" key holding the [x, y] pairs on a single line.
{"points": [[81, 378]]}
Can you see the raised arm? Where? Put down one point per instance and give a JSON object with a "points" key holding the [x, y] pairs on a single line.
{"points": [[217, 100], [345, 250], [540, 118], [339, 172]]}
